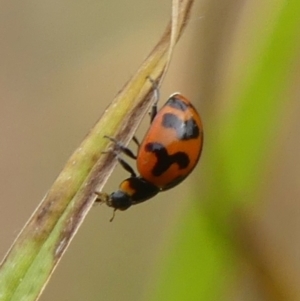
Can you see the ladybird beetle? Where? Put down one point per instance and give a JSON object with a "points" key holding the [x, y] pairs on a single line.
{"points": [[168, 153]]}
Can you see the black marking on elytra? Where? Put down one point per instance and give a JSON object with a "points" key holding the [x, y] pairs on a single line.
{"points": [[185, 130], [164, 160], [177, 103]]}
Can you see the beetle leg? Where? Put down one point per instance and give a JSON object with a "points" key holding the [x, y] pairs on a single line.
{"points": [[156, 99], [122, 148], [126, 166], [136, 141], [101, 197], [104, 198]]}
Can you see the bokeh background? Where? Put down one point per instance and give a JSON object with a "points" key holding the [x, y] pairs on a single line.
{"points": [[231, 230]]}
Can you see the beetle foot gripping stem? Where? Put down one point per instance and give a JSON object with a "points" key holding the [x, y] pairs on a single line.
{"points": [[104, 198], [156, 94], [120, 148]]}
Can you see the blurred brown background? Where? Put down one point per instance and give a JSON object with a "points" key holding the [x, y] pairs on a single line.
{"points": [[62, 62]]}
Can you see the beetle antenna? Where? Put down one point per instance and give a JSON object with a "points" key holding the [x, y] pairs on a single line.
{"points": [[113, 216]]}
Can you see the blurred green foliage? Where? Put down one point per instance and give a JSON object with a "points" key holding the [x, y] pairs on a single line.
{"points": [[206, 248]]}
